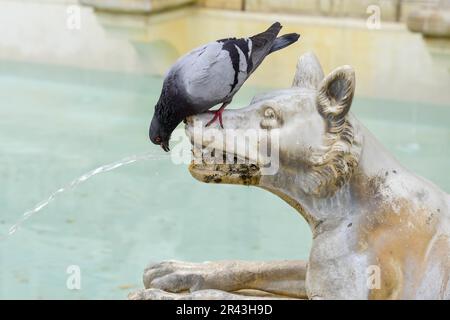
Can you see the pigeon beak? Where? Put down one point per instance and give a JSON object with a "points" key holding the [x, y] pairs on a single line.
{"points": [[165, 146]]}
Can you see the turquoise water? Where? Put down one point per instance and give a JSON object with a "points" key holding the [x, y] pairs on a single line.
{"points": [[56, 124]]}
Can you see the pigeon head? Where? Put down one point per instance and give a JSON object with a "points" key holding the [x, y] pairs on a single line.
{"points": [[159, 134]]}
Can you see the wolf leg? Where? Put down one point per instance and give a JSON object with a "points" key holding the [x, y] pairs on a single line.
{"points": [[282, 278]]}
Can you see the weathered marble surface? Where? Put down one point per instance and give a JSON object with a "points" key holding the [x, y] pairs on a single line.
{"points": [[379, 231], [223, 280]]}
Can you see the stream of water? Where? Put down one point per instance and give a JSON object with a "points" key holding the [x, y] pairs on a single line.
{"points": [[74, 183]]}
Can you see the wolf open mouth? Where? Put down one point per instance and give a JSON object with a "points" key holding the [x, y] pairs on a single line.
{"points": [[205, 167], [219, 166]]}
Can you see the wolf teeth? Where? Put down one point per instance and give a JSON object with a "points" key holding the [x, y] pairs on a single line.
{"points": [[207, 157]]}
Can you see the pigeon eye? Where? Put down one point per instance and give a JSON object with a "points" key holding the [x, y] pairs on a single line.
{"points": [[158, 139]]}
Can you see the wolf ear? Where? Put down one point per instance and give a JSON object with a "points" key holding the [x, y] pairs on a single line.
{"points": [[309, 73], [335, 93]]}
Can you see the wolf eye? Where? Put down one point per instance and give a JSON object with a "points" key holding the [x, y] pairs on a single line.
{"points": [[269, 113], [271, 119]]}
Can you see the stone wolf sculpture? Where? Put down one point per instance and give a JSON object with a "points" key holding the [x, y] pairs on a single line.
{"points": [[368, 215]]}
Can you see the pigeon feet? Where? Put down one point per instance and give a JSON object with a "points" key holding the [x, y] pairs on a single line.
{"points": [[217, 115]]}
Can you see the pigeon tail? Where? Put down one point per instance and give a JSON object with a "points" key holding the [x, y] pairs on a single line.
{"points": [[260, 40], [262, 43], [284, 41]]}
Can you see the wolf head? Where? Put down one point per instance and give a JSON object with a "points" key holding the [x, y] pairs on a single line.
{"points": [[304, 133]]}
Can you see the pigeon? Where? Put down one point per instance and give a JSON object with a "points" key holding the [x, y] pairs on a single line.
{"points": [[210, 75]]}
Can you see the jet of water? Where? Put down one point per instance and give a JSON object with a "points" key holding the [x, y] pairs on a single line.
{"points": [[74, 183]]}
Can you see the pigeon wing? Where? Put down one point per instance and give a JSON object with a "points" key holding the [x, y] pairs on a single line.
{"points": [[213, 73], [207, 75]]}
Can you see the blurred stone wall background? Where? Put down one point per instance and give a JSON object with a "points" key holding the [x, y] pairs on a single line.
{"points": [[389, 61], [135, 6], [391, 10]]}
